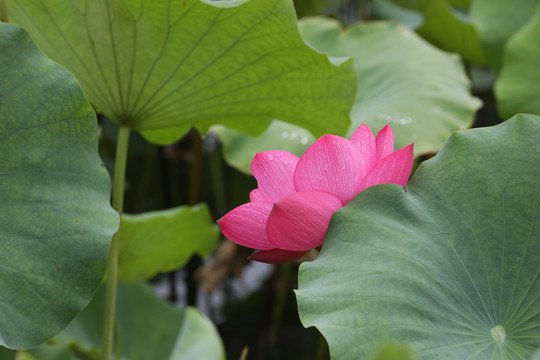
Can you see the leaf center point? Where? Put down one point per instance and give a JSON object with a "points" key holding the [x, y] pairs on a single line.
{"points": [[498, 333]]}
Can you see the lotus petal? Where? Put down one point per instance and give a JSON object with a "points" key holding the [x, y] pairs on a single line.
{"points": [[274, 173], [246, 225], [299, 222], [255, 195], [363, 138], [332, 164], [393, 169], [385, 142]]}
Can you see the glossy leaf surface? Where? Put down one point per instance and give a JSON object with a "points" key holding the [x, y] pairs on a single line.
{"points": [[164, 66], [448, 266], [56, 222], [151, 329], [443, 28], [420, 91], [163, 241], [496, 21], [517, 88]]}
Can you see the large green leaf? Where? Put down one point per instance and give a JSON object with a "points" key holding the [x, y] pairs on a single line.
{"points": [[239, 149], [404, 81], [394, 352], [496, 21], [150, 329], [162, 241], [518, 87], [162, 64], [387, 10], [445, 29], [450, 265], [423, 4], [55, 218]]}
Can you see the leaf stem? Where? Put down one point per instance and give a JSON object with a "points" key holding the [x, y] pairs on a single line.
{"points": [[4, 11], [322, 348], [196, 168], [112, 260], [277, 313], [216, 177]]}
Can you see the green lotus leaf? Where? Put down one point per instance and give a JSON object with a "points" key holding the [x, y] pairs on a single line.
{"points": [[412, 4], [164, 66], [150, 327], [421, 5], [443, 28], [496, 21], [403, 81], [448, 265], [56, 222], [394, 352], [161, 241], [388, 10], [517, 89]]}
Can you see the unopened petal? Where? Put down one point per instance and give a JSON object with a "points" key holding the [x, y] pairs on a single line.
{"points": [[299, 222], [274, 173], [332, 164], [393, 169], [363, 138], [276, 256], [246, 225], [385, 142]]}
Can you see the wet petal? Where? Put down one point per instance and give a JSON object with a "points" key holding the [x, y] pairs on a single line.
{"points": [[246, 225], [393, 169], [299, 222], [332, 164], [363, 138], [255, 195], [276, 256], [385, 142], [274, 173]]}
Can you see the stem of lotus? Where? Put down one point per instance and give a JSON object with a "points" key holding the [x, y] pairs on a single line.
{"points": [[3, 11], [112, 260], [217, 176], [279, 304]]}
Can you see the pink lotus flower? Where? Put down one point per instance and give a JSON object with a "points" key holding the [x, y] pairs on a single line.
{"points": [[290, 211]]}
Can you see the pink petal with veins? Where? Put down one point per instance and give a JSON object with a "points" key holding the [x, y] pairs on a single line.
{"points": [[246, 225], [274, 173], [385, 142], [363, 138], [276, 256], [255, 195], [332, 164], [393, 169], [299, 222]]}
